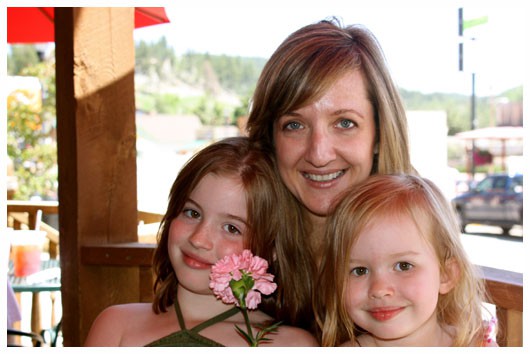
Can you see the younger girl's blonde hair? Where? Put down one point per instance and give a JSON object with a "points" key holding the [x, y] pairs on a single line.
{"points": [[422, 201]]}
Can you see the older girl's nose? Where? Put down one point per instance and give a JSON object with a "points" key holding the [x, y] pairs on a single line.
{"points": [[202, 236]]}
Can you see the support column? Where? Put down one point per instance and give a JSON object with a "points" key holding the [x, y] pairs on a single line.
{"points": [[96, 141]]}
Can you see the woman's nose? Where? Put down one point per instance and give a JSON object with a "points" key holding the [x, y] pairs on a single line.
{"points": [[202, 236], [380, 286], [320, 149]]}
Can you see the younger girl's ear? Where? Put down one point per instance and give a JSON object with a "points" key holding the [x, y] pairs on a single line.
{"points": [[449, 276]]}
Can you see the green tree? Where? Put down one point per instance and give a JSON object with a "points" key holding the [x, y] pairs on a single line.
{"points": [[21, 57], [31, 140], [151, 57]]}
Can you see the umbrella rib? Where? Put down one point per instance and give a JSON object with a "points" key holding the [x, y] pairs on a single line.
{"points": [[41, 9], [159, 18]]}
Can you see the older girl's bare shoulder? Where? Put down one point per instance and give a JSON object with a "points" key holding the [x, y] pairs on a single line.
{"points": [[113, 323]]}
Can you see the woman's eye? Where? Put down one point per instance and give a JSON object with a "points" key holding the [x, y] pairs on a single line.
{"points": [[191, 213], [345, 123], [232, 229], [359, 271], [403, 266], [292, 126]]}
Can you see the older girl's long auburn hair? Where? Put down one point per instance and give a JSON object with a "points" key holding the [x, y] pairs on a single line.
{"points": [[422, 201], [300, 71], [268, 209]]}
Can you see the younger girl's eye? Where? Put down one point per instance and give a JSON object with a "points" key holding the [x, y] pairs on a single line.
{"points": [[232, 229], [359, 271], [403, 266], [191, 213], [346, 123]]}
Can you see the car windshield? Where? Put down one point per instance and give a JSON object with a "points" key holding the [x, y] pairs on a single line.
{"points": [[485, 185], [498, 184], [517, 184]]}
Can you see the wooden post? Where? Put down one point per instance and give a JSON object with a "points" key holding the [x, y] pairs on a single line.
{"points": [[96, 141]]}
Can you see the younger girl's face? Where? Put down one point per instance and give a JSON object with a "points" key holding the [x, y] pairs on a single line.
{"points": [[394, 283], [212, 225]]}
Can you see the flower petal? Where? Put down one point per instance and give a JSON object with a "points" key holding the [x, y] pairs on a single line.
{"points": [[253, 299]]}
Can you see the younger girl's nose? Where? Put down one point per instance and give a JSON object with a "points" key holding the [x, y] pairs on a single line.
{"points": [[380, 286]]}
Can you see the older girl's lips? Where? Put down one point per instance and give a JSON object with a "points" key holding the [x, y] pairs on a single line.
{"points": [[195, 262]]}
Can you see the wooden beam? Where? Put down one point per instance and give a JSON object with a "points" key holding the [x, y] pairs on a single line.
{"points": [[96, 139], [19, 206], [504, 287], [505, 290], [131, 254]]}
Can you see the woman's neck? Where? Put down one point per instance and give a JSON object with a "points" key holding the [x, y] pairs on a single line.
{"points": [[316, 233]]}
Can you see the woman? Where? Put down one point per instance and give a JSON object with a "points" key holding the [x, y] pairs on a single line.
{"points": [[326, 107]]}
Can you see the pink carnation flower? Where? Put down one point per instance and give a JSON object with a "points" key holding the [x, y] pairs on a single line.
{"points": [[235, 267]]}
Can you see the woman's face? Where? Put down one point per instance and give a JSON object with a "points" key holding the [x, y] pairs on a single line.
{"points": [[327, 146]]}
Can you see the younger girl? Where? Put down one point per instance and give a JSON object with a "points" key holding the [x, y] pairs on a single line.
{"points": [[224, 199], [395, 273]]}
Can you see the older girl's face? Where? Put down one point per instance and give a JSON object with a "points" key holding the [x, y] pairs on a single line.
{"points": [[327, 146], [212, 225]]}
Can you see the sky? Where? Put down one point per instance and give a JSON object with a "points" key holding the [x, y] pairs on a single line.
{"points": [[419, 39]]}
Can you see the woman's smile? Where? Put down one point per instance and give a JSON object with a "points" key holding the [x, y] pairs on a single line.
{"points": [[314, 177]]}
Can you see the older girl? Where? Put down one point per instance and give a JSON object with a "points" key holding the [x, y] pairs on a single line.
{"points": [[225, 199]]}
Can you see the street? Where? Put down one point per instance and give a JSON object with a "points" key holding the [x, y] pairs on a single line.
{"points": [[487, 246]]}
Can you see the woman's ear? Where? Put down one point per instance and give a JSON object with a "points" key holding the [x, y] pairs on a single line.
{"points": [[449, 276]]}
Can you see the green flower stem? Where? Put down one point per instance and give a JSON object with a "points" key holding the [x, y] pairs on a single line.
{"points": [[249, 328]]}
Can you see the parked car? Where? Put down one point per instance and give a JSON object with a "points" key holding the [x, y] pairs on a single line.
{"points": [[496, 200]]}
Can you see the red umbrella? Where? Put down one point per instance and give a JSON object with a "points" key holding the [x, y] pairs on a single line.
{"points": [[35, 24]]}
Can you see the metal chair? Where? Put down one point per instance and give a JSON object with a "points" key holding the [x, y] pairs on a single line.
{"points": [[36, 339], [53, 334]]}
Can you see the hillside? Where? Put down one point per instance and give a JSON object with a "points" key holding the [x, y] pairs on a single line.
{"points": [[217, 88]]}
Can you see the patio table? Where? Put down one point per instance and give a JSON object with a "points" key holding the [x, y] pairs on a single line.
{"points": [[47, 279]]}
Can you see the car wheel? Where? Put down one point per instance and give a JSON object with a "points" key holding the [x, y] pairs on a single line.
{"points": [[506, 230]]}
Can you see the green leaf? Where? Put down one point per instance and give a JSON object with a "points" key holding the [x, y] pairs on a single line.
{"points": [[246, 336]]}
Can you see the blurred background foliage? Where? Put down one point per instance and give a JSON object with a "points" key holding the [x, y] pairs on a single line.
{"points": [[216, 88], [31, 143]]}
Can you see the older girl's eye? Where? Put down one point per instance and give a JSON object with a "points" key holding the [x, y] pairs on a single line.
{"points": [[359, 271], [346, 123], [403, 266], [232, 229], [191, 213]]}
